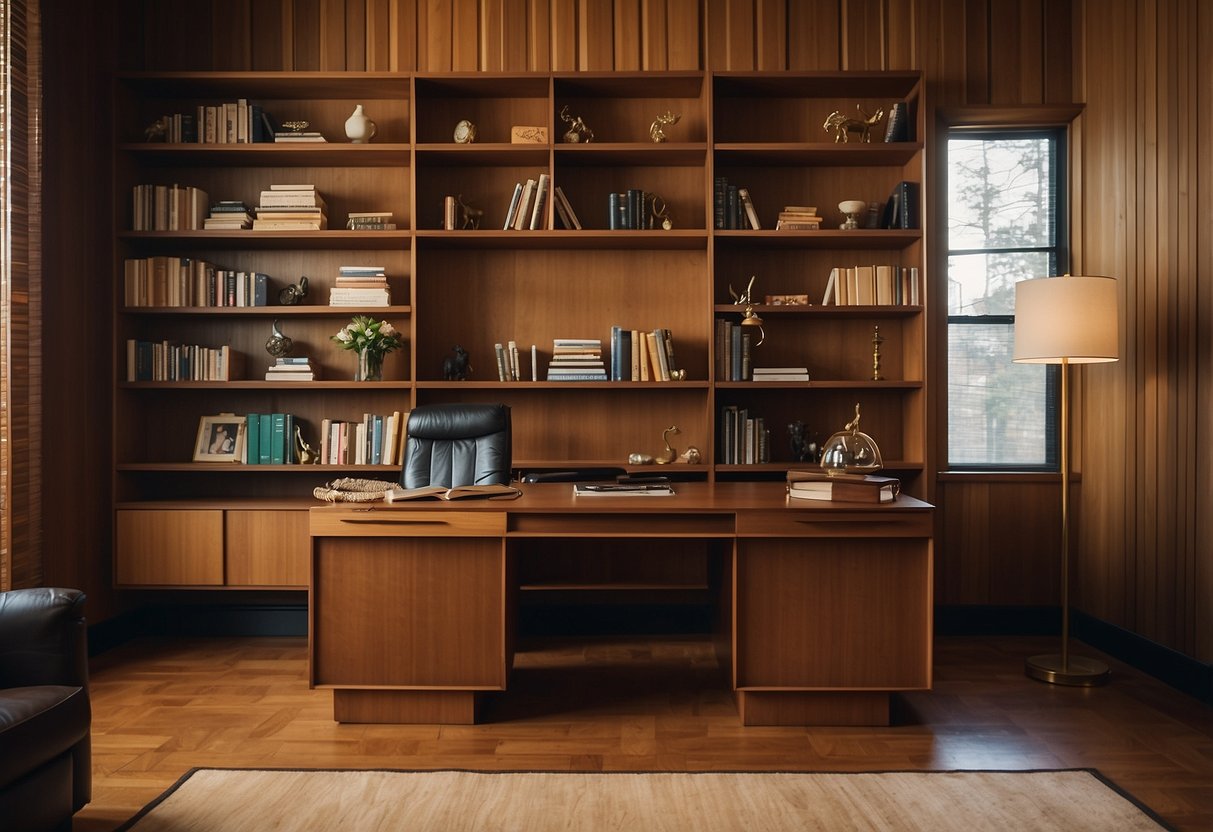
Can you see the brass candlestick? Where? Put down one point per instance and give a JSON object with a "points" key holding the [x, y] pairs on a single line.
{"points": [[877, 340]]}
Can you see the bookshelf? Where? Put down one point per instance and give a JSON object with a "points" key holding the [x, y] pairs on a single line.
{"points": [[479, 287]]}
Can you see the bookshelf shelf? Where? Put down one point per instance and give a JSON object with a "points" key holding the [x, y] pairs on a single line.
{"points": [[797, 154], [284, 312], [675, 240], [279, 154], [826, 238], [672, 154], [270, 240]]}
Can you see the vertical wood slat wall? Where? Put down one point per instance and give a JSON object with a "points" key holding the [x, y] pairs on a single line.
{"points": [[1144, 562]]}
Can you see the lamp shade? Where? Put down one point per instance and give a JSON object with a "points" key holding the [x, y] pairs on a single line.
{"points": [[1070, 318]]}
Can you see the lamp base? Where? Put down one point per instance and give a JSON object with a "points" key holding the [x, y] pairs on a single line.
{"points": [[1078, 672]]}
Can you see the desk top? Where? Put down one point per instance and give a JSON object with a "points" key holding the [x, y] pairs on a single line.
{"points": [[688, 497]]}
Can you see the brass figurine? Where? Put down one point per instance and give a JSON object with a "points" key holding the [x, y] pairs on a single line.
{"points": [[656, 133], [640, 459], [304, 452], [297, 126], [157, 131], [691, 456], [578, 130], [662, 213], [748, 316], [842, 126], [669, 454], [877, 340]]}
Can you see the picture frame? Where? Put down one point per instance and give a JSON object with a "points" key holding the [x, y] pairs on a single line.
{"points": [[220, 438]]}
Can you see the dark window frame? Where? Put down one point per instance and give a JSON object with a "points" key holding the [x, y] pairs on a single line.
{"points": [[1059, 256]]}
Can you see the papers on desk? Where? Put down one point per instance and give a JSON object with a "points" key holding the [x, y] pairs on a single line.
{"points": [[622, 489]]}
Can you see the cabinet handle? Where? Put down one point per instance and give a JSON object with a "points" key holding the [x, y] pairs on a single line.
{"points": [[401, 521]]}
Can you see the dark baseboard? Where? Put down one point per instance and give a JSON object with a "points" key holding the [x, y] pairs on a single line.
{"points": [[1181, 672], [290, 619]]}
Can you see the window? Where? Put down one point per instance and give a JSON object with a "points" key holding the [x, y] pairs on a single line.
{"points": [[1005, 224]]}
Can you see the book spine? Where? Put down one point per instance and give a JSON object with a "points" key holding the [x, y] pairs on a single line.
{"points": [[613, 212]]}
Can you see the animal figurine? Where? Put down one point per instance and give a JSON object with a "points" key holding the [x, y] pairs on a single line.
{"points": [[469, 217], [842, 126], [578, 131], [157, 131], [455, 367], [669, 454], [655, 131], [304, 452], [294, 294]]}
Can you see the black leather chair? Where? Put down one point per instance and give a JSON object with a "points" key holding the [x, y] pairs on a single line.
{"points": [[45, 750], [457, 444]]}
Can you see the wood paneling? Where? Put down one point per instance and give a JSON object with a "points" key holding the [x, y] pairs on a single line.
{"points": [[595, 35], [813, 35]]}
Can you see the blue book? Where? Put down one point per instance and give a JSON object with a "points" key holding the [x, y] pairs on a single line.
{"points": [[376, 440], [252, 439], [261, 289], [288, 440]]}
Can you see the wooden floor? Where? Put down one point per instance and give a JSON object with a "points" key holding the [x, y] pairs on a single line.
{"points": [[162, 707]]}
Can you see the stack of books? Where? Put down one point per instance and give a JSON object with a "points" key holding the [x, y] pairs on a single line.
{"points": [[291, 368], [577, 359], [291, 208], [375, 439], [509, 367], [270, 439], [228, 214], [851, 488], [361, 286], [798, 218], [744, 438], [303, 135], [637, 355], [169, 208], [781, 374], [370, 221]]}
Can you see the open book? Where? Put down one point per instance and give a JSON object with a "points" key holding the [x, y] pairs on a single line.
{"points": [[459, 492]]}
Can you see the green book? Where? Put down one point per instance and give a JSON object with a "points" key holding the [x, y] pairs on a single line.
{"points": [[278, 439], [252, 439], [266, 438]]}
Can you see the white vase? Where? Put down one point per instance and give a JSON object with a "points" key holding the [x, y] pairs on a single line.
{"points": [[358, 127]]}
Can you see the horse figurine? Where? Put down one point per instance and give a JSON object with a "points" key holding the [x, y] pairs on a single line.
{"points": [[455, 367], [842, 126], [469, 217], [578, 130]]}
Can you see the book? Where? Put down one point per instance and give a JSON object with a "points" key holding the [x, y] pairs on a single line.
{"points": [[748, 204], [524, 205], [563, 201], [897, 128], [855, 488], [622, 489], [539, 212], [459, 492], [512, 212]]}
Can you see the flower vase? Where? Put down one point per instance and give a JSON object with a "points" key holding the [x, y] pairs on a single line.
{"points": [[359, 127], [370, 366]]}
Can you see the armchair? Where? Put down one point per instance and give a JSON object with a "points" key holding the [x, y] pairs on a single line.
{"points": [[45, 751], [457, 444]]}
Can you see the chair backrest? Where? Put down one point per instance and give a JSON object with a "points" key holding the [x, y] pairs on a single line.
{"points": [[457, 444]]}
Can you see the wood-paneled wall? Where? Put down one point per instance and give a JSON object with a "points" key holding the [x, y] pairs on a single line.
{"points": [[1146, 218], [1142, 214]]}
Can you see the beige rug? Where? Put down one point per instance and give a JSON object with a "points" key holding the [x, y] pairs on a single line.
{"points": [[218, 800]]}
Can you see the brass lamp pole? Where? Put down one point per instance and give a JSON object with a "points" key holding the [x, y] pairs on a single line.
{"points": [[1066, 320]]}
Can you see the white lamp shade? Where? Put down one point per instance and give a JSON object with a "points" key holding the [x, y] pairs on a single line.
{"points": [[1071, 318]]}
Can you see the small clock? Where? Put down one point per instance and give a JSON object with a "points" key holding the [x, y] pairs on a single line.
{"points": [[465, 132]]}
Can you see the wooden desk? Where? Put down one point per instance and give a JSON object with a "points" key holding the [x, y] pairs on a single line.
{"points": [[825, 607]]}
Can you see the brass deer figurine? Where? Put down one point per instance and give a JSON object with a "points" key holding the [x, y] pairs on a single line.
{"points": [[842, 126]]}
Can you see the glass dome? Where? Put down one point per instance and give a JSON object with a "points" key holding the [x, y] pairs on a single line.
{"points": [[851, 451]]}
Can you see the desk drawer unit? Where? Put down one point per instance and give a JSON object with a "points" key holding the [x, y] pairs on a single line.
{"points": [[351, 522]]}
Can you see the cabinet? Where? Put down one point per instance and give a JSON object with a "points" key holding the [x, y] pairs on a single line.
{"points": [[476, 288]]}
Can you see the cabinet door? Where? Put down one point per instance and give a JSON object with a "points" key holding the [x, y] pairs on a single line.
{"points": [[169, 548], [267, 548]]}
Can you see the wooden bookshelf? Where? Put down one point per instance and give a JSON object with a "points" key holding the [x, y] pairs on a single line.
{"points": [[480, 287]]}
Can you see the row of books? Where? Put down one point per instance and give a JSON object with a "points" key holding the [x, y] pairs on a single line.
{"points": [[165, 361], [576, 359], [370, 221], [798, 218], [375, 439], [629, 210], [637, 355], [744, 439], [168, 207], [902, 209], [292, 368], [872, 286], [733, 346], [228, 215], [360, 286], [528, 205], [732, 206], [232, 122], [269, 439], [163, 280], [509, 363]]}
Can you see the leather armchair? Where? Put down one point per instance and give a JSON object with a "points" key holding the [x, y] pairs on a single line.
{"points": [[457, 444], [45, 751]]}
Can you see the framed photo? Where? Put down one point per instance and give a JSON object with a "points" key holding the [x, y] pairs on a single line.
{"points": [[220, 439]]}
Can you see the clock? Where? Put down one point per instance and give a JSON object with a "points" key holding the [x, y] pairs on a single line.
{"points": [[465, 132]]}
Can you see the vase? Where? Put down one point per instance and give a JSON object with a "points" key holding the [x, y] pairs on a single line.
{"points": [[370, 366], [359, 127]]}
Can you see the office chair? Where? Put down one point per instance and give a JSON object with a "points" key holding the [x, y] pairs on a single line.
{"points": [[457, 444]]}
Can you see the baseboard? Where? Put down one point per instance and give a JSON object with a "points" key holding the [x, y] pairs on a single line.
{"points": [[1181, 672]]}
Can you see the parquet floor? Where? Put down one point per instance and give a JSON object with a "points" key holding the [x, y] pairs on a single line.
{"points": [[162, 707]]}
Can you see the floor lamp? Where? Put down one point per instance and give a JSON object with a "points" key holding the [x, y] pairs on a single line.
{"points": [[1066, 320]]}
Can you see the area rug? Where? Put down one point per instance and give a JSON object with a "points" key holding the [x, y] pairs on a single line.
{"points": [[218, 800]]}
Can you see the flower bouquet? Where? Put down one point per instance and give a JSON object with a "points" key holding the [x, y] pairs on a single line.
{"points": [[373, 340]]}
